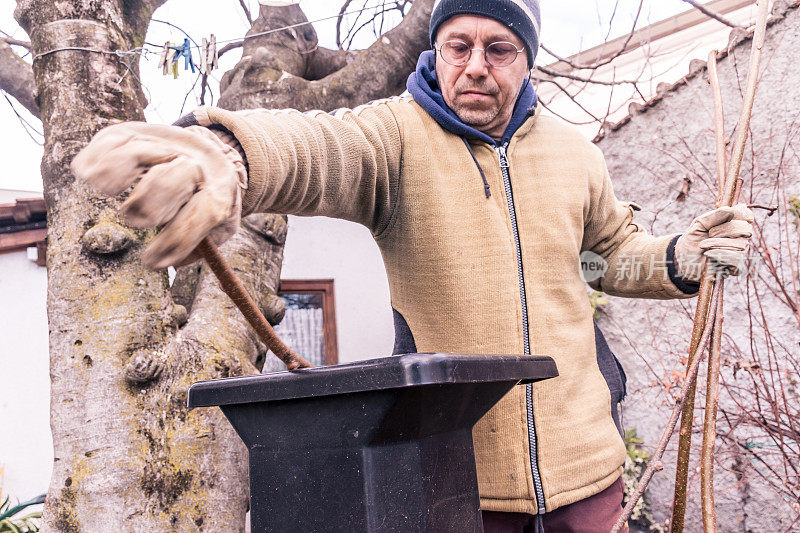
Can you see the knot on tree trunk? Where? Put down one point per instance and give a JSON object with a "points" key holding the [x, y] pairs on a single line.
{"points": [[178, 315], [144, 366], [272, 227], [274, 309], [107, 238]]}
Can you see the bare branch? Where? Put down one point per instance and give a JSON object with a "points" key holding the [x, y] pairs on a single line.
{"points": [[16, 78], [716, 16], [770, 209], [16, 42], [557, 74], [339, 23], [228, 47], [562, 117], [729, 196], [575, 101], [691, 374], [376, 19], [237, 292], [606, 61], [246, 11]]}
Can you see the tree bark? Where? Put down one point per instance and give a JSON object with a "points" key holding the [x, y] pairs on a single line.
{"points": [[129, 455], [274, 75]]}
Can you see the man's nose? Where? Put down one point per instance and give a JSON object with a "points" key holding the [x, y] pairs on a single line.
{"points": [[477, 67]]}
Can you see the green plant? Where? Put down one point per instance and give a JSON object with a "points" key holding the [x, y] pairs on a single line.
{"points": [[597, 300], [794, 209], [635, 463], [11, 523]]}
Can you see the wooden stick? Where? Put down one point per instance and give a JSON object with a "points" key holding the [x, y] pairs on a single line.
{"points": [[712, 379], [728, 196], [236, 291], [719, 125], [710, 425], [743, 128], [655, 461], [685, 433]]}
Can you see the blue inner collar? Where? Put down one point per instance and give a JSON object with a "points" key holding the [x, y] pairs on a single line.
{"points": [[424, 87]]}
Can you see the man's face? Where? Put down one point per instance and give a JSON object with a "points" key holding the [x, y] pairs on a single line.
{"points": [[481, 95]]}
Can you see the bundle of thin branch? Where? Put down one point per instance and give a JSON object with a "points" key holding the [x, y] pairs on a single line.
{"points": [[708, 317]]}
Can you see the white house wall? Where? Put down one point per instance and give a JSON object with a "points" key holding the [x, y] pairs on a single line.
{"points": [[26, 449], [324, 248]]}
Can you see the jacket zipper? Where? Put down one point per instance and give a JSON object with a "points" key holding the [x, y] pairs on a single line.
{"points": [[532, 441]]}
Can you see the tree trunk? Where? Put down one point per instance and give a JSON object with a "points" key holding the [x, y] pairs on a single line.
{"points": [[129, 455]]}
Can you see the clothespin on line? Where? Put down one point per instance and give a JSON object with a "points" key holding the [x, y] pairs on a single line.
{"points": [[209, 59], [165, 59], [185, 50], [168, 61]]}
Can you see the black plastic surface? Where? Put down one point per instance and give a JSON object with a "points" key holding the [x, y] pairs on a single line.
{"points": [[377, 446], [374, 374]]}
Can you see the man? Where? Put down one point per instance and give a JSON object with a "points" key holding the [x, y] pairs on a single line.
{"points": [[481, 208]]}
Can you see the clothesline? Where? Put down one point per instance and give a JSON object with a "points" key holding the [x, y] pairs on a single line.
{"points": [[142, 50], [275, 30]]}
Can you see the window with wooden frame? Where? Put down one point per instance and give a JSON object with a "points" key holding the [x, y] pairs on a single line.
{"points": [[309, 327]]}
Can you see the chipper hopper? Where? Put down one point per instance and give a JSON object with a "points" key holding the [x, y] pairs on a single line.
{"points": [[383, 445]]}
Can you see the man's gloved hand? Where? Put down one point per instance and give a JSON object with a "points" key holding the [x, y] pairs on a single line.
{"points": [[191, 183], [721, 236]]}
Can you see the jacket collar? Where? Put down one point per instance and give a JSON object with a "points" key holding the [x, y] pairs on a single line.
{"points": [[424, 87]]}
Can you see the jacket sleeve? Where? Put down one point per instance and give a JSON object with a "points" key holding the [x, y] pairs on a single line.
{"points": [[343, 165], [639, 264]]}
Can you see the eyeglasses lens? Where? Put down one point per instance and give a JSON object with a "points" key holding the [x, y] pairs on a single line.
{"points": [[455, 52], [500, 54]]}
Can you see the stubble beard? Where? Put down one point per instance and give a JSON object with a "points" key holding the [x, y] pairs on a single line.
{"points": [[475, 117], [476, 114]]}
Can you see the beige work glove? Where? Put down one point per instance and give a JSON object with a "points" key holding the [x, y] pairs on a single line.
{"points": [[191, 184], [720, 237]]}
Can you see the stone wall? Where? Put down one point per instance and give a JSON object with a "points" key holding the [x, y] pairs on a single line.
{"points": [[649, 155]]}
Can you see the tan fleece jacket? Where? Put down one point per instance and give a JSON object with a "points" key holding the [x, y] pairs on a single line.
{"points": [[451, 259]]}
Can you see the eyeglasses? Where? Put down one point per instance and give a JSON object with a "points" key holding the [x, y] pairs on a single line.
{"points": [[499, 54]]}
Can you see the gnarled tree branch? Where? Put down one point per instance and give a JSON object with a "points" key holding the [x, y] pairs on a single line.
{"points": [[275, 74], [246, 11], [16, 78], [325, 61], [16, 42]]}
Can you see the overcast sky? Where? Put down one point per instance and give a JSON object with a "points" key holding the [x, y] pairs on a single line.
{"points": [[567, 27]]}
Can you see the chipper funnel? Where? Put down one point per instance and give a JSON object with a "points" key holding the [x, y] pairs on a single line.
{"points": [[378, 446]]}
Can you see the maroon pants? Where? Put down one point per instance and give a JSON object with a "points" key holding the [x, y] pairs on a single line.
{"points": [[595, 514]]}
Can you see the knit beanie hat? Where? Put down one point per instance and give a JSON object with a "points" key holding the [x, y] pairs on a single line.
{"points": [[521, 16]]}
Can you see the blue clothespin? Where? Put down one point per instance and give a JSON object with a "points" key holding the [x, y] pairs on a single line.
{"points": [[186, 51]]}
